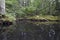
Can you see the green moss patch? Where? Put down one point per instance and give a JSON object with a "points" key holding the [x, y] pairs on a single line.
{"points": [[48, 17]]}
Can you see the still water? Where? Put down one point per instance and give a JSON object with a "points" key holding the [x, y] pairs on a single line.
{"points": [[31, 31]]}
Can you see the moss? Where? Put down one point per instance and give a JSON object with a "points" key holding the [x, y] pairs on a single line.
{"points": [[8, 17], [48, 17], [5, 20]]}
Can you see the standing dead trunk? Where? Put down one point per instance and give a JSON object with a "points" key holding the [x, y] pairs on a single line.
{"points": [[2, 6], [2, 11]]}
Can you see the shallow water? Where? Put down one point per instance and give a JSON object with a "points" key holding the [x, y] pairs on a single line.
{"points": [[31, 31]]}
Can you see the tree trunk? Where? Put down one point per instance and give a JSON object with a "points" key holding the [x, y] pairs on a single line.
{"points": [[2, 6], [2, 11], [56, 4]]}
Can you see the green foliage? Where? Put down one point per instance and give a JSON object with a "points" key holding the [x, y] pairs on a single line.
{"points": [[10, 6], [40, 7], [8, 17], [29, 10]]}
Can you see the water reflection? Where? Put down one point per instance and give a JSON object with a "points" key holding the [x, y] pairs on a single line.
{"points": [[31, 31], [51, 33]]}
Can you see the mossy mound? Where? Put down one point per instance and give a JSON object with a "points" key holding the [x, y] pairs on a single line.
{"points": [[9, 17], [6, 20]]}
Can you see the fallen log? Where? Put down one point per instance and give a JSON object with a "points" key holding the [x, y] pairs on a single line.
{"points": [[39, 20]]}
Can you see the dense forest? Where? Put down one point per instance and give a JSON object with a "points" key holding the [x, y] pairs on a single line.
{"points": [[33, 9], [29, 19]]}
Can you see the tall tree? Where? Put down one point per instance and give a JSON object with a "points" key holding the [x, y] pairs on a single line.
{"points": [[57, 7], [2, 11], [57, 4], [2, 6]]}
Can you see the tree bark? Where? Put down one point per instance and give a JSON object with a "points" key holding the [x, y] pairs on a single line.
{"points": [[2, 6]]}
